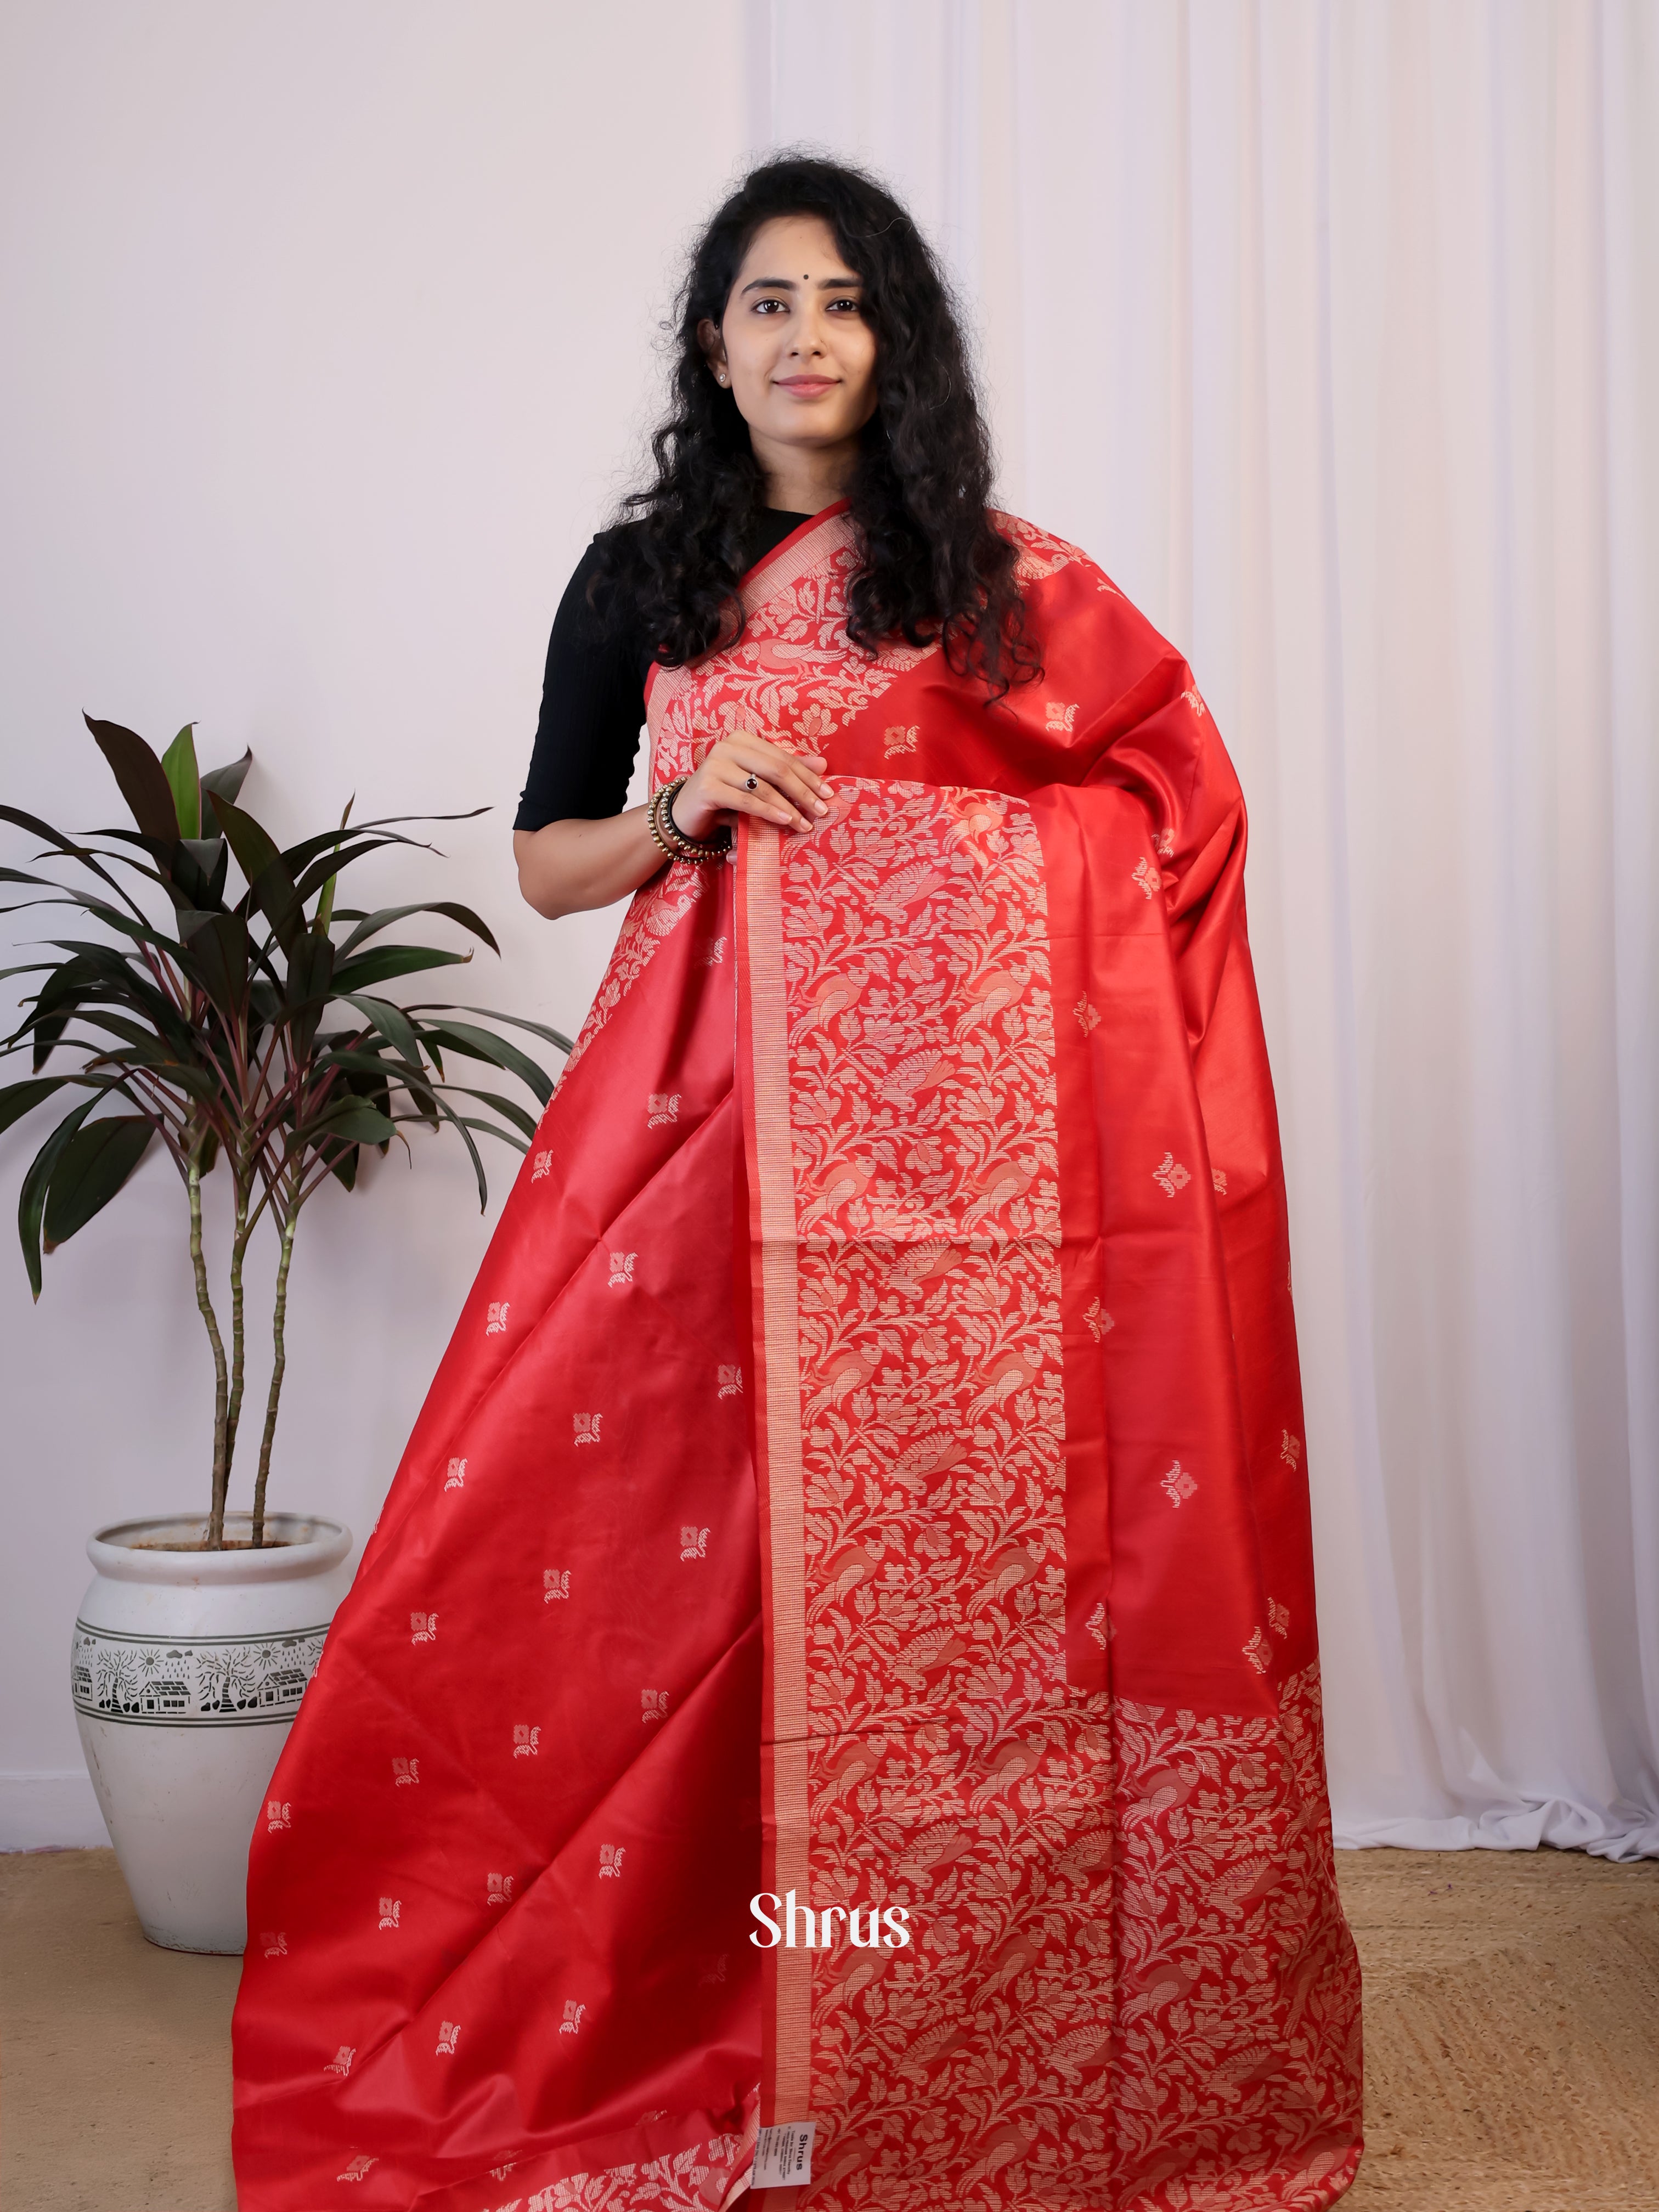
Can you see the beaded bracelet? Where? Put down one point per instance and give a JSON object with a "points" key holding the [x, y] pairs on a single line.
{"points": [[671, 839]]}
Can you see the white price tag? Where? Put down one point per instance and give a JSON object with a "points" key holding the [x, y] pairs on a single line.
{"points": [[783, 2155]]}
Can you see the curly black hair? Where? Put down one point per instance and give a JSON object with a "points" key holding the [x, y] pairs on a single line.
{"points": [[932, 565]]}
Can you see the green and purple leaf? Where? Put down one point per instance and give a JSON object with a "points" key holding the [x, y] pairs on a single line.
{"points": [[475, 1043], [389, 960], [92, 1167], [18, 1099], [353, 1120], [270, 884], [556, 1037], [143, 780], [227, 782], [310, 972], [392, 1022], [372, 924], [219, 953], [185, 782], [32, 1198]]}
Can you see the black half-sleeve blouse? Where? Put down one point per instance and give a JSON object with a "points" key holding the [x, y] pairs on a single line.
{"points": [[594, 699]]}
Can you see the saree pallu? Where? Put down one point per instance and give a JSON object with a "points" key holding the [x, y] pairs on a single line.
{"points": [[869, 1466]]}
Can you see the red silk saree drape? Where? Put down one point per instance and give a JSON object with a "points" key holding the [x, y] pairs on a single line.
{"points": [[869, 1466]]}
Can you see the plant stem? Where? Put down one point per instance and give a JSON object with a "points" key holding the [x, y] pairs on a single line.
{"points": [[279, 1361], [215, 1538], [238, 1338]]}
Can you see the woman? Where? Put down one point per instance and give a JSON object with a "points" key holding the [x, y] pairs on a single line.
{"points": [[840, 1647]]}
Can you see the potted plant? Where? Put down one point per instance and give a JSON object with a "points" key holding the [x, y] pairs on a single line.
{"points": [[246, 1035]]}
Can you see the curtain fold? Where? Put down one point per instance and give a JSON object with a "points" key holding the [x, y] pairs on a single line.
{"points": [[1327, 329]]}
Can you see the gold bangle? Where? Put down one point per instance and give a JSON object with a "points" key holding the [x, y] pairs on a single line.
{"points": [[653, 808], [671, 838]]}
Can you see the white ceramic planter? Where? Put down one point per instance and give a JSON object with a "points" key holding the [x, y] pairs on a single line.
{"points": [[187, 1671]]}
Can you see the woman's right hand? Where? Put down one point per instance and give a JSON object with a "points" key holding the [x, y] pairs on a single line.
{"points": [[570, 866], [788, 788]]}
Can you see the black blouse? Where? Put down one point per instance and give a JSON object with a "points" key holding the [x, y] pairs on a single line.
{"points": [[594, 699]]}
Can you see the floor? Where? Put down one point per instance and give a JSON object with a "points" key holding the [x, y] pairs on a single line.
{"points": [[114, 2057], [1511, 2024], [1511, 2031]]}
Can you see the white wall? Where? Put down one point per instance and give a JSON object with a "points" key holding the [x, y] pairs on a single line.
{"points": [[329, 335]]}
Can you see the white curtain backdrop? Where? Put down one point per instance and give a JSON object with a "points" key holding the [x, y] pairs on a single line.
{"points": [[1328, 330]]}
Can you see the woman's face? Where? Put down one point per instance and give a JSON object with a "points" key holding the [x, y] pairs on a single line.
{"points": [[793, 345]]}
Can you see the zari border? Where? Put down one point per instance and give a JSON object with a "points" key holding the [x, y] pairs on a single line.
{"points": [[803, 550], [787, 2074]]}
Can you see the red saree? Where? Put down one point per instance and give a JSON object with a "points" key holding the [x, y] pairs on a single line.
{"points": [[868, 1466]]}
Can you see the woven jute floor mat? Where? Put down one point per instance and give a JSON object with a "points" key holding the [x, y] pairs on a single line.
{"points": [[1511, 2024], [1511, 2031]]}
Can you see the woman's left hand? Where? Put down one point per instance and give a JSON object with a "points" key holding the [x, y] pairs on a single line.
{"points": [[746, 774]]}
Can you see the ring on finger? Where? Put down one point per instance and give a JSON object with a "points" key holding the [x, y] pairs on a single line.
{"points": [[751, 783]]}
